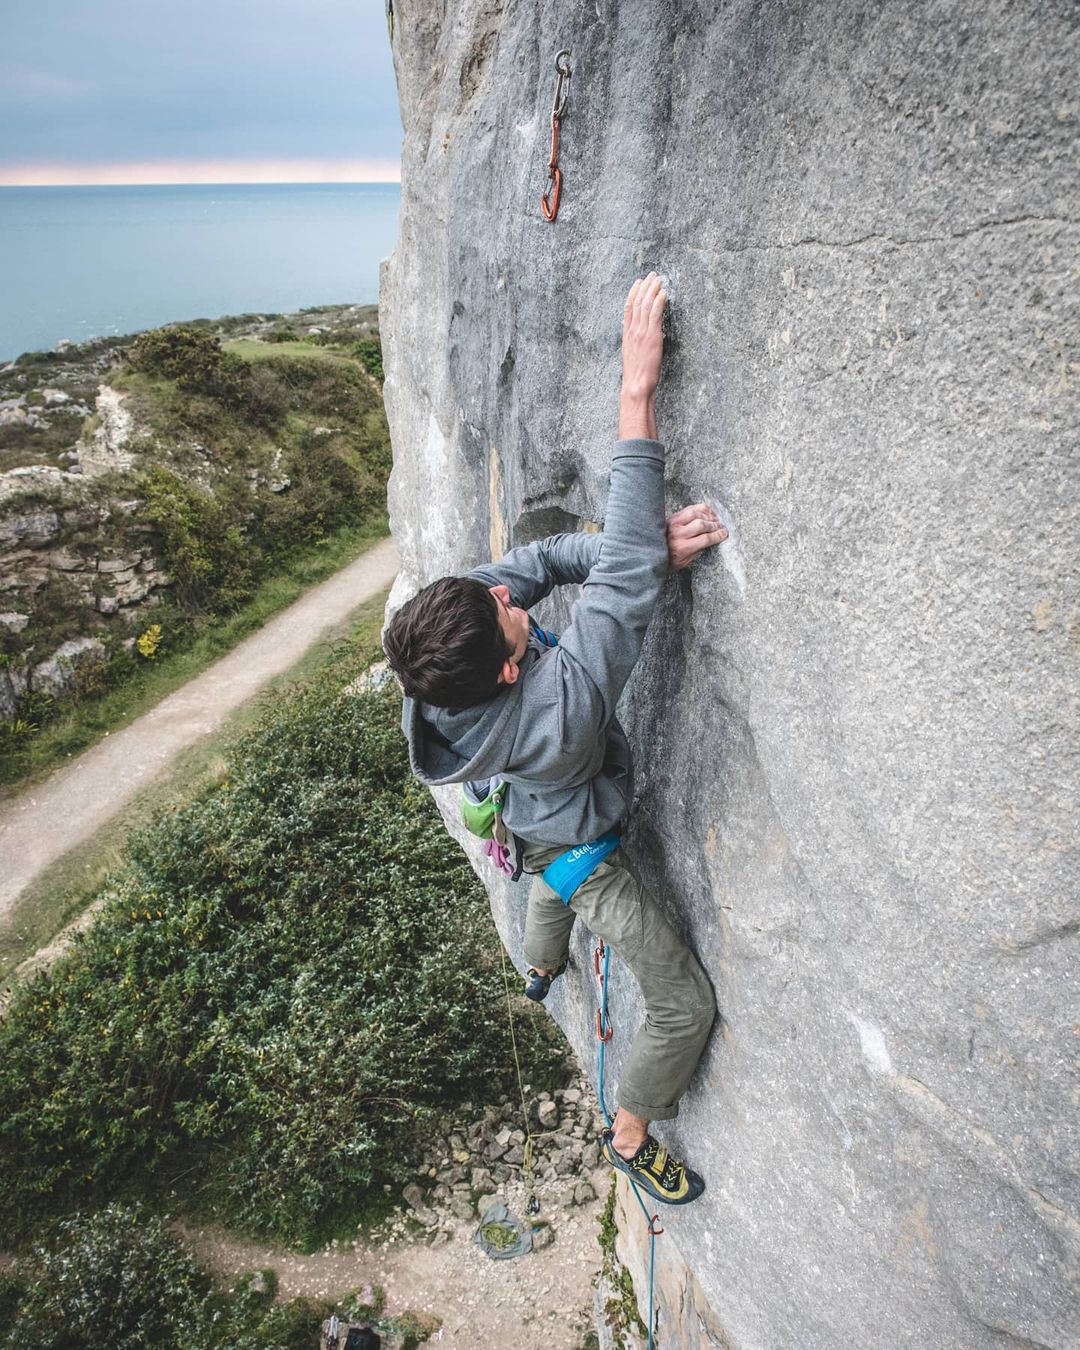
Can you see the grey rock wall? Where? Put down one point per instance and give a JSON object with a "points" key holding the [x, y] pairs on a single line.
{"points": [[855, 726]]}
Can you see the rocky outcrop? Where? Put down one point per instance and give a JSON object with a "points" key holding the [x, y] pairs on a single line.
{"points": [[77, 561], [855, 730], [107, 448]]}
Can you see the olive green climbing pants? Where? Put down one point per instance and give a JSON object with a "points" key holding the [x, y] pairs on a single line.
{"points": [[679, 1002]]}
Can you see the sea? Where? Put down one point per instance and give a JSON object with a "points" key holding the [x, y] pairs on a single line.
{"points": [[83, 262]]}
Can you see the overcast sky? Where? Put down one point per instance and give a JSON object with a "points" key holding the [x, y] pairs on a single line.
{"points": [[196, 90]]}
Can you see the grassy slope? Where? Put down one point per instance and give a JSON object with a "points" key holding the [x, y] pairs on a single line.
{"points": [[266, 351], [171, 423], [68, 887]]}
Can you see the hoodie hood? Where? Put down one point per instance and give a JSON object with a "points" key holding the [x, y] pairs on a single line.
{"points": [[570, 775], [458, 745]]}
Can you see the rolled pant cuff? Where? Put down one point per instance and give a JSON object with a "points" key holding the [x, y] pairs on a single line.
{"points": [[542, 963], [648, 1112]]}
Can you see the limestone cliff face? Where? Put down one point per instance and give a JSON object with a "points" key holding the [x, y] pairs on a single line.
{"points": [[856, 724]]}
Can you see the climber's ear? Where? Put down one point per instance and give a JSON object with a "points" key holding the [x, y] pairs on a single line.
{"points": [[509, 673]]}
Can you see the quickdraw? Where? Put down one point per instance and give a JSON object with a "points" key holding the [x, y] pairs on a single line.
{"points": [[549, 202]]}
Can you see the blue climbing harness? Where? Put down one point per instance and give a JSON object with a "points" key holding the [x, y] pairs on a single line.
{"points": [[566, 873]]}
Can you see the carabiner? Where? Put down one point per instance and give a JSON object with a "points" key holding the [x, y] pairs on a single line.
{"points": [[563, 72], [549, 202]]}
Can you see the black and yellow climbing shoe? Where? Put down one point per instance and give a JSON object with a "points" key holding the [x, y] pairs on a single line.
{"points": [[537, 985], [654, 1169]]}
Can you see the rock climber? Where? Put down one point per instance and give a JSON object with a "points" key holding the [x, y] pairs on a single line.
{"points": [[491, 695]]}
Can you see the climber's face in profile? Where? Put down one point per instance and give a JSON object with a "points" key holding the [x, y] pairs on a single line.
{"points": [[514, 623]]}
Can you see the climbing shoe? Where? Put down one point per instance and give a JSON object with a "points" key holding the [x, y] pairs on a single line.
{"points": [[654, 1169], [537, 985]]}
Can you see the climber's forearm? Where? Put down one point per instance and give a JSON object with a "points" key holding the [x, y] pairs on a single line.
{"points": [[637, 416]]}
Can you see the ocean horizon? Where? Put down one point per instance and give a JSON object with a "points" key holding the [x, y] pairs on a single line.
{"points": [[86, 262]]}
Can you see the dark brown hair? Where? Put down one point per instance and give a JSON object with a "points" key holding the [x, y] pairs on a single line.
{"points": [[446, 644]]}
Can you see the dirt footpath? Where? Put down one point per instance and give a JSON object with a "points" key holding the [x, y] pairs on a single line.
{"points": [[541, 1301], [39, 826]]}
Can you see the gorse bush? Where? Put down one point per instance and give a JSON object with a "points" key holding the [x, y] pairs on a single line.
{"points": [[191, 357], [194, 359], [198, 364], [290, 981]]}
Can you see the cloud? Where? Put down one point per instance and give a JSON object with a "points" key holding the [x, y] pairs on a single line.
{"points": [[126, 82], [309, 170]]}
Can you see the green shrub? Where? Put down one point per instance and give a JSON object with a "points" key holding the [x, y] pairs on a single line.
{"points": [[282, 335], [109, 1279], [291, 981], [191, 357], [118, 1279], [196, 361], [211, 562], [368, 351]]}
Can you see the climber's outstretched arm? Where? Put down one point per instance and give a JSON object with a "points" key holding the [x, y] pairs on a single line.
{"points": [[642, 353]]}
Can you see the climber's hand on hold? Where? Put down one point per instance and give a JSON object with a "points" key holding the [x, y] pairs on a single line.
{"points": [[643, 340], [642, 353], [689, 532]]}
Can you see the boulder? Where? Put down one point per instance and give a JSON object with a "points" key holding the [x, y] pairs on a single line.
{"points": [[58, 675], [462, 1207], [482, 1181], [543, 1235], [854, 723]]}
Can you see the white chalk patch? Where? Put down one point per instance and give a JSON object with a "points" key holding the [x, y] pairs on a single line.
{"points": [[731, 554], [872, 1044]]}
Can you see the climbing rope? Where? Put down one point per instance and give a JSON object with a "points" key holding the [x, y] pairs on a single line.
{"points": [[532, 1203], [601, 961], [549, 202]]}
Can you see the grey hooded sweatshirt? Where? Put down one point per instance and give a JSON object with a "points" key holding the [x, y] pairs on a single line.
{"points": [[552, 735]]}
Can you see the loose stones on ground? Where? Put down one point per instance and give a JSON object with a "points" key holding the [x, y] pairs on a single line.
{"points": [[486, 1154]]}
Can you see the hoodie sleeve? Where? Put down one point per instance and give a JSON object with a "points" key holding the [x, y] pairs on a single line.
{"points": [[608, 622], [534, 570]]}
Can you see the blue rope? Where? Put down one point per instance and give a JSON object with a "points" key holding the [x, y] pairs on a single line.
{"points": [[607, 1117]]}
